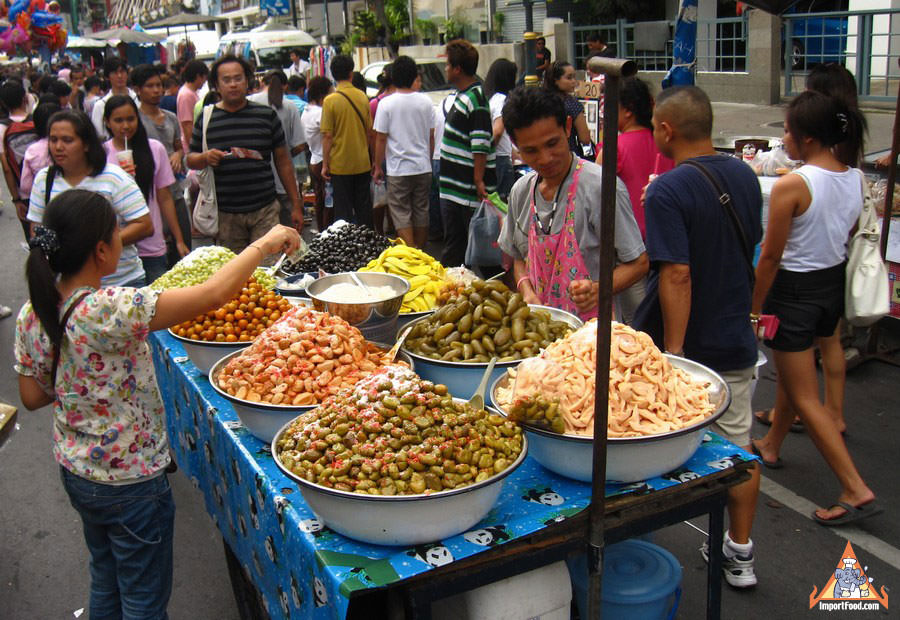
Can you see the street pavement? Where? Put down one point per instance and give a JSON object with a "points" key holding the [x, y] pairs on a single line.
{"points": [[43, 558]]}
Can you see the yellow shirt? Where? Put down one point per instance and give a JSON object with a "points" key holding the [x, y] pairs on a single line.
{"points": [[349, 147]]}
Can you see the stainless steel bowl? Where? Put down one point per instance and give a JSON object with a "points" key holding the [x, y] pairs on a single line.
{"points": [[263, 419], [462, 378], [204, 354], [378, 320], [628, 459], [405, 318], [402, 519], [290, 291]]}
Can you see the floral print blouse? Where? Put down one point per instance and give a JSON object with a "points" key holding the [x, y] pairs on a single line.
{"points": [[109, 422]]}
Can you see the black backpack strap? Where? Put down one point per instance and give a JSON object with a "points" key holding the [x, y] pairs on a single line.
{"points": [[48, 186], [57, 350], [725, 200]]}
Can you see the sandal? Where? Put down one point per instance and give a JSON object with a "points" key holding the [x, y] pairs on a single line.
{"points": [[764, 417], [852, 514], [776, 464]]}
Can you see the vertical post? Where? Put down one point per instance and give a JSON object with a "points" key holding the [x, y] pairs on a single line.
{"points": [[294, 13], [327, 22], [614, 69], [788, 60], [530, 39]]}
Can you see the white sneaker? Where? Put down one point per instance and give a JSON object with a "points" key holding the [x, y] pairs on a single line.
{"points": [[737, 568]]}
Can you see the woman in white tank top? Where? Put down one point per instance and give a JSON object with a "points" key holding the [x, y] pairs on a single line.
{"points": [[800, 279]]}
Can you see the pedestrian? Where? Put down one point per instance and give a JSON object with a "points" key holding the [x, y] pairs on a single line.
{"points": [[82, 347], [195, 74], [116, 71], [91, 93], [295, 91], [560, 80], [243, 138], [169, 100], [62, 90], [500, 80], [16, 134], [435, 223], [800, 279], [78, 92], [552, 228], [273, 95], [37, 156], [386, 87], [543, 55], [404, 139], [597, 47], [79, 161], [299, 66], [467, 153], [149, 164], [319, 88], [699, 290], [637, 157], [163, 126], [346, 146]]}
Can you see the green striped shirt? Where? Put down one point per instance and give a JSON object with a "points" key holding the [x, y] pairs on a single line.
{"points": [[468, 131]]}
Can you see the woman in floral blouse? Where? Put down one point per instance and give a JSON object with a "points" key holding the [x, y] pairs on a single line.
{"points": [[82, 347]]}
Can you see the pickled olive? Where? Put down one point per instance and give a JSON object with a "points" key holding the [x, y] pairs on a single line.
{"points": [[488, 344], [475, 298], [501, 337], [477, 314], [499, 298], [465, 324], [467, 351], [492, 313], [443, 331], [480, 331], [518, 330]]}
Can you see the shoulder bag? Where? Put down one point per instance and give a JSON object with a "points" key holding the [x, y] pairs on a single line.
{"points": [[206, 213], [58, 349], [867, 289]]}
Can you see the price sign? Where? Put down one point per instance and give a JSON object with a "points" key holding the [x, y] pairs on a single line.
{"points": [[588, 90]]}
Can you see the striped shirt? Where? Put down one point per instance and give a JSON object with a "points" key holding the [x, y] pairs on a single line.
{"points": [[467, 132], [119, 188], [243, 185]]}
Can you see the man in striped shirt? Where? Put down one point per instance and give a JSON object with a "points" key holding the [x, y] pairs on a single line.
{"points": [[467, 152], [242, 139]]}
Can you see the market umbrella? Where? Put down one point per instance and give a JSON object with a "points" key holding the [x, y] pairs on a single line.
{"points": [[185, 19], [76, 42], [684, 47], [124, 35]]}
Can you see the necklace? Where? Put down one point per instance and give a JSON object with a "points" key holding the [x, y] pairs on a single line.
{"points": [[546, 229]]}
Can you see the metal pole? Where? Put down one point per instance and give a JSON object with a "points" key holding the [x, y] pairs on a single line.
{"points": [[614, 69], [294, 13], [530, 38]]}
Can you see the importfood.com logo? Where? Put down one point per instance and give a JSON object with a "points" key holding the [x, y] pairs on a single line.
{"points": [[850, 588]]}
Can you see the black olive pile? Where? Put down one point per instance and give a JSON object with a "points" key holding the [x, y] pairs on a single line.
{"points": [[347, 248]]}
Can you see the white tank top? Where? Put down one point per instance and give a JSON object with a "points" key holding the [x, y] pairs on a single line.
{"points": [[818, 238]]}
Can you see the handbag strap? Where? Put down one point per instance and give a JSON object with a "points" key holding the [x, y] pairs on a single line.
{"points": [[207, 114], [725, 201], [48, 186], [355, 109], [57, 350]]}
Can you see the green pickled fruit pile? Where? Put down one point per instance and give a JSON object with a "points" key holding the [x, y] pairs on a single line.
{"points": [[396, 434], [485, 320], [539, 412], [198, 266]]}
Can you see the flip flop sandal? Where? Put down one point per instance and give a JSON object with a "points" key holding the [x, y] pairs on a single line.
{"points": [[764, 417], [776, 464], [853, 514]]}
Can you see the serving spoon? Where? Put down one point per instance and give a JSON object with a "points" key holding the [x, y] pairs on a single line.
{"points": [[392, 353], [477, 400]]}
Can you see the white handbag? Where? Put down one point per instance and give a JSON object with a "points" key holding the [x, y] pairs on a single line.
{"points": [[867, 289], [206, 212]]}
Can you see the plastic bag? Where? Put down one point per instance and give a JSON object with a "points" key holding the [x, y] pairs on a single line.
{"points": [[772, 162], [484, 229]]}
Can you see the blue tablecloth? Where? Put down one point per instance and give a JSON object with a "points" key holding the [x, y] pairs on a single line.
{"points": [[303, 569]]}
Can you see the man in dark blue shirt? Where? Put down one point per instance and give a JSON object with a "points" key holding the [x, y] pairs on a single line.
{"points": [[700, 285]]}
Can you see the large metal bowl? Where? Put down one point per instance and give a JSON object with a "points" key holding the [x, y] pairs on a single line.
{"points": [[462, 378], [402, 519], [405, 318], [289, 291], [628, 459], [204, 354], [378, 320], [263, 419]]}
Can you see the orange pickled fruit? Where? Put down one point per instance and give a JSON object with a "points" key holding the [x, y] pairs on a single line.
{"points": [[230, 338]]}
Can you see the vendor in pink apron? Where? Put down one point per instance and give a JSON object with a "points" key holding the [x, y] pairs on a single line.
{"points": [[552, 229]]}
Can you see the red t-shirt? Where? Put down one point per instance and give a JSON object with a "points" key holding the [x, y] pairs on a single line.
{"points": [[638, 158]]}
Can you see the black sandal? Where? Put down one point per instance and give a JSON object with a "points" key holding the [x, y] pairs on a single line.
{"points": [[764, 417]]}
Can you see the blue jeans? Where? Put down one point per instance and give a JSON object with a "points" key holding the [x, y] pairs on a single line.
{"points": [[128, 530], [435, 225], [154, 266], [506, 176]]}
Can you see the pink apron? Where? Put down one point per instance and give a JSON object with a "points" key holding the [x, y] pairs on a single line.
{"points": [[554, 260]]}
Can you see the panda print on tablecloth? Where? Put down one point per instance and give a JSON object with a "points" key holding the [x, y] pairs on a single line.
{"points": [[681, 475], [254, 513], [296, 597], [190, 441], [271, 551], [208, 451], [211, 419], [257, 564], [233, 425], [635, 488], [236, 471], [545, 496], [433, 554], [488, 536], [224, 478], [725, 462], [284, 601], [281, 504], [320, 594], [261, 491], [243, 525]]}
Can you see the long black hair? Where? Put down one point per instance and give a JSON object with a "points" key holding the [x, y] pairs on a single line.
{"points": [[77, 221], [84, 129], [140, 144], [634, 96], [501, 77], [825, 119], [835, 81]]}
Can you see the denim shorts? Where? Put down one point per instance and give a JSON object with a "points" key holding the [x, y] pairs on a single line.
{"points": [[808, 305], [128, 530]]}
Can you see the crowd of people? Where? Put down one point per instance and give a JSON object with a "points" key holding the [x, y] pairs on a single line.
{"points": [[97, 167]]}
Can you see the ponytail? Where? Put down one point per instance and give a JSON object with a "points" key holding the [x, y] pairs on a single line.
{"points": [[74, 223]]}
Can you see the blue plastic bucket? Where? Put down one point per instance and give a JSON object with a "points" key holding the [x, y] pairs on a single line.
{"points": [[641, 581]]}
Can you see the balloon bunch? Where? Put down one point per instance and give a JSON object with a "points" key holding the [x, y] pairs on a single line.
{"points": [[27, 24]]}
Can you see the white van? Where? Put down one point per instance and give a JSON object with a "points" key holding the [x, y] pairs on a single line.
{"points": [[267, 46], [206, 43]]}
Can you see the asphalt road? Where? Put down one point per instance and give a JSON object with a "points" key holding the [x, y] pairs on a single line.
{"points": [[43, 559]]}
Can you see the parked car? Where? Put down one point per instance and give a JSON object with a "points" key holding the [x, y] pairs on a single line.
{"points": [[434, 79], [815, 39]]}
